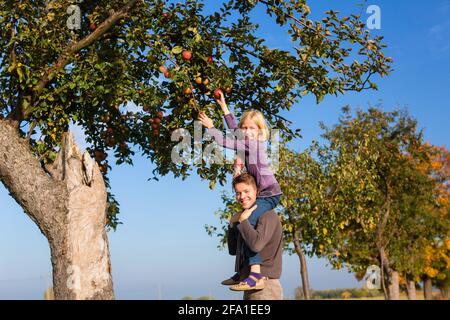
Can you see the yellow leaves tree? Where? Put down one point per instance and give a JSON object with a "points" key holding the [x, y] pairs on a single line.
{"points": [[436, 254]]}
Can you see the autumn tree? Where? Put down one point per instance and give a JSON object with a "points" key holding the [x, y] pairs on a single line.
{"points": [[435, 253], [130, 74], [380, 196]]}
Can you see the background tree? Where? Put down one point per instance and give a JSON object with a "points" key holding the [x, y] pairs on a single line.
{"points": [[134, 72], [300, 178], [380, 195], [436, 251]]}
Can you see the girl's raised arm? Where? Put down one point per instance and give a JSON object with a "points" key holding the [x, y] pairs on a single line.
{"points": [[220, 99]]}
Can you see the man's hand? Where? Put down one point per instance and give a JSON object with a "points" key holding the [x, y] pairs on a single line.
{"points": [[246, 213], [205, 120], [235, 218]]}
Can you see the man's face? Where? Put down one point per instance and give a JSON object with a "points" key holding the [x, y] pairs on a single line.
{"points": [[245, 195]]}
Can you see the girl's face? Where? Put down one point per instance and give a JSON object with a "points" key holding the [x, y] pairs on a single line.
{"points": [[250, 129]]}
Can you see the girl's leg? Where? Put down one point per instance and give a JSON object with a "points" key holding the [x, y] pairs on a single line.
{"points": [[264, 205], [255, 268], [255, 279]]}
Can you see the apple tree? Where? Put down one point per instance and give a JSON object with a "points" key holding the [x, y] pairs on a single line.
{"points": [[129, 73]]}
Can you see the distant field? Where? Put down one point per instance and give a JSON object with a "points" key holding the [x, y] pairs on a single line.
{"points": [[403, 296]]}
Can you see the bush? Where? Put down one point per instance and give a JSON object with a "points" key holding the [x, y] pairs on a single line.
{"points": [[338, 293], [346, 295]]}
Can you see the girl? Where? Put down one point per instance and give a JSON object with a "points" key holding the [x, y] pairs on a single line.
{"points": [[252, 153]]}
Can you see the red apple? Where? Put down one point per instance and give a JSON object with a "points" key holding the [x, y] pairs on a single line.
{"points": [[156, 120], [162, 69], [210, 59], [187, 55], [167, 74], [92, 26], [160, 115], [217, 93]]}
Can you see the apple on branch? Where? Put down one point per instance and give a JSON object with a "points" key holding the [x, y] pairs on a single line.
{"points": [[187, 55]]}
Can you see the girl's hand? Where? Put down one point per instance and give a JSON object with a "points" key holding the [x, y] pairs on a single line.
{"points": [[246, 213], [221, 102], [238, 166], [237, 172], [205, 120]]}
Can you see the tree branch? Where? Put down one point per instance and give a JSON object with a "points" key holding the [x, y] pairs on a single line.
{"points": [[75, 47]]}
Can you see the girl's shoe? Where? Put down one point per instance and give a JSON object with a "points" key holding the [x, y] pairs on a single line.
{"points": [[233, 280], [255, 281]]}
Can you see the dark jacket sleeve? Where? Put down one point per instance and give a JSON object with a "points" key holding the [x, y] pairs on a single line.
{"points": [[232, 235], [256, 239]]}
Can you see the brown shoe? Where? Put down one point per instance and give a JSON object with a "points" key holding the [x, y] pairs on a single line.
{"points": [[231, 281]]}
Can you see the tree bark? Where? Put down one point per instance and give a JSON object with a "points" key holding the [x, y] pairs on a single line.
{"points": [[303, 266], [427, 289], [384, 271], [445, 293], [411, 288], [394, 288], [389, 277], [67, 201]]}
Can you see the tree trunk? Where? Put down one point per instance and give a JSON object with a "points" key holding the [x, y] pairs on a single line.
{"points": [[384, 271], [303, 267], [389, 277], [67, 201], [411, 288], [445, 293], [427, 289], [394, 288]]}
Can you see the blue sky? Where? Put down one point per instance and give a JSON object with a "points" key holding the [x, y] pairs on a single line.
{"points": [[162, 250]]}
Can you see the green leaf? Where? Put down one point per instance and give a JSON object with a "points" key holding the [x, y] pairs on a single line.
{"points": [[177, 50]]}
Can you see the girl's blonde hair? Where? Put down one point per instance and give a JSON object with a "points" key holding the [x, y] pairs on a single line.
{"points": [[258, 118]]}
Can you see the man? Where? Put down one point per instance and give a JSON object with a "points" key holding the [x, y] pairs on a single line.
{"points": [[266, 238]]}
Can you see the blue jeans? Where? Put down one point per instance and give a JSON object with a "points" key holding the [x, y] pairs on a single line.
{"points": [[264, 205]]}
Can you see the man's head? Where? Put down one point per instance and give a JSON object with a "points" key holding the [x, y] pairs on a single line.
{"points": [[245, 187]]}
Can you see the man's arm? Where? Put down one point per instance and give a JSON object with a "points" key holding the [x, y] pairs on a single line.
{"points": [[257, 239]]}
